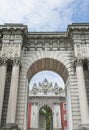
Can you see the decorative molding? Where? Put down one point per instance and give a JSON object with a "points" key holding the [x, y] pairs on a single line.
{"points": [[47, 44]]}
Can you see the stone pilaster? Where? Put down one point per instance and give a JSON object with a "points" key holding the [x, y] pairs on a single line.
{"points": [[11, 113], [56, 117], [34, 116], [82, 94], [3, 69]]}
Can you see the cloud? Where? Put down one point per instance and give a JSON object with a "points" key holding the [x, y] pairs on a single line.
{"points": [[40, 15]]}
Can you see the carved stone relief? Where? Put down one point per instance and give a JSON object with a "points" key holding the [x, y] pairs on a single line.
{"points": [[11, 50]]}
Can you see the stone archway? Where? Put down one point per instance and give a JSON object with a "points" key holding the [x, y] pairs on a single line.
{"points": [[55, 61], [48, 64], [53, 65], [31, 52]]}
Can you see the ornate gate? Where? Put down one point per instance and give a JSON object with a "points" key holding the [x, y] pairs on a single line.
{"points": [[45, 97], [23, 54]]}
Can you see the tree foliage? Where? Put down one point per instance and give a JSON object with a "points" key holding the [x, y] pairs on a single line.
{"points": [[47, 113]]}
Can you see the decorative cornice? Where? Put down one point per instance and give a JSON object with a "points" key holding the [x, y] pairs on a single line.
{"points": [[13, 29], [46, 36], [78, 28]]}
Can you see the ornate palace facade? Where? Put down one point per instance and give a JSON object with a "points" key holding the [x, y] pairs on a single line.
{"points": [[23, 54], [43, 96]]}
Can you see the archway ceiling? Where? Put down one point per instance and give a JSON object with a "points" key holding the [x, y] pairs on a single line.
{"points": [[47, 64]]}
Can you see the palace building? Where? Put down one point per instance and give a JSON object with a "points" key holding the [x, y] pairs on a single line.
{"points": [[22, 55]]}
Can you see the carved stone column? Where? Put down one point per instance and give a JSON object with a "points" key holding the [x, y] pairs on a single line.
{"points": [[82, 94], [11, 113], [3, 69]]}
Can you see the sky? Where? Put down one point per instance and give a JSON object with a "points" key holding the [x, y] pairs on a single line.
{"points": [[44, 15], [50, 76]]}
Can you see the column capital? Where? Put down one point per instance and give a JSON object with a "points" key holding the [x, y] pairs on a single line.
{"points": [[78, 62], [16, 61], [3, 61]]}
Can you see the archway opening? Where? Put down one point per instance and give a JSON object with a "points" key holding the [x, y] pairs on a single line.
{"points": [[50, 76], [45, 64], [45, 118]]}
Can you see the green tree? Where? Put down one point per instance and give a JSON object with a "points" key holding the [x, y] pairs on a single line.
{"points": [[47, 113]]}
